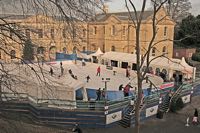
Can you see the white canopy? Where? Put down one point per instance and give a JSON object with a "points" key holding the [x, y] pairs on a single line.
{"points": [[83, 55], [97, 53], [118, 56], [160, 62]]}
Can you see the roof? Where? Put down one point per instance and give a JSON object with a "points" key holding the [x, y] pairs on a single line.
{"points": [[123, 15], [170, 63]]}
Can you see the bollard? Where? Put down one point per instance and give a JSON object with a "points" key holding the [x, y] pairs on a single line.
{"points": [[187, 122]]}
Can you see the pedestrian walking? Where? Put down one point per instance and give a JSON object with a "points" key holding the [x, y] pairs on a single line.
{"points": [[61, 64], [88, 78], [195, 117], [76, 129], [98, 71], [51, 71], [98, 94]]}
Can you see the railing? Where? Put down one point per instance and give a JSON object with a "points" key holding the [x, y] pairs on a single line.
{"points": [[66, 104]]}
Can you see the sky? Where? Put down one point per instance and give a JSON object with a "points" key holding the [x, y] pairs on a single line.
{"points": [[119, 5]]}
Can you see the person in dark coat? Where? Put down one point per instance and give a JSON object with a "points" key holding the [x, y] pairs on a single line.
{"points": [[121, 87], [88, 78], [98, 94], [195, 117], [62, 70], [51, 71], [76, 129]]}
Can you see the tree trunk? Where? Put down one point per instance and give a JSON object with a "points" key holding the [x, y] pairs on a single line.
{"points": [[137, 109]]}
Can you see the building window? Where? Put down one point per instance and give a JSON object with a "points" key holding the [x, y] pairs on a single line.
{"points": [[64, 50], [113, 48], [12, 54], [113, 30], [40, 33], [27, 32], [95, 30], [74, 33], [84, 48], [84, 32], [190, 54], [157, 71], [40, 50], [64, 33], [123, 30], [164, 50], [153, 51], [176, 54], [52, 33], [104, 30], [165, 31]]}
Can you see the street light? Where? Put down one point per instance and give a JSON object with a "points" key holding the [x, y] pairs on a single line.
{"points": [[105, 80]]}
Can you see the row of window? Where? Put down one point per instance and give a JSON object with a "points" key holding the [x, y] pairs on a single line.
{"points": [[164, 50], [94, 32], [52, 33], [123, 30]]}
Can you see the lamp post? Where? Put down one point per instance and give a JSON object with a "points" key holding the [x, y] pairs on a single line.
{"points": [[105, 80]]}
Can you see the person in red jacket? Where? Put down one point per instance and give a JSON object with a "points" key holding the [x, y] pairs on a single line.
{"points": [[98, 71]]}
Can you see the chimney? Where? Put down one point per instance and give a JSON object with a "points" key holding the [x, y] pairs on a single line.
{"points": [[105, 8]]}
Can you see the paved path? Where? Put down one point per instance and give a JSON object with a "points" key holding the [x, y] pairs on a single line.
{"points": [[171, 123]]}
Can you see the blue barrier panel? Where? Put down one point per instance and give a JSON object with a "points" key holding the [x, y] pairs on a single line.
{"points": [[62, 56]]}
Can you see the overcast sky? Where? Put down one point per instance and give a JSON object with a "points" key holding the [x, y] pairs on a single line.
{"points": [[119, 5]]}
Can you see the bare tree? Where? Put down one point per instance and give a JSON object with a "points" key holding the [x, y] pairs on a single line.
{"points": [[177, 9], [12, 36], [136, 18]]}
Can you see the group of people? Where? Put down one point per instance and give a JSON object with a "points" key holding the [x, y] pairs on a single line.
{"points": [[61, 70], [125, 89], [100, 94]]}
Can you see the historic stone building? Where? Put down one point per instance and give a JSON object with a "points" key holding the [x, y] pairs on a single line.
{"points": [[110, 32]]}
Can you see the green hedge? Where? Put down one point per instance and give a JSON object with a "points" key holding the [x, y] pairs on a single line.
{"points": [[177, 105], [196, 57]]}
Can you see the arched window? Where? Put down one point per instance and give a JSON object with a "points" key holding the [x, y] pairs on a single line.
{"points": [[52, 53], [64, 50], [40, 50], [13, 54], [113, 48], [144, 68], [157, 71], [164, 50], [153, 51], [164, 71], [74, 49], [84, 48]]}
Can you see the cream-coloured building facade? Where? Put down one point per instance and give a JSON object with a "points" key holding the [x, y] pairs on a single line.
{"points": [[110, 32]]}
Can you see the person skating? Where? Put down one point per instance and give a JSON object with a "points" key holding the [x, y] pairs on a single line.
{"points": [[98, 71], [62, 70], [88, 78], [51, 71]]}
